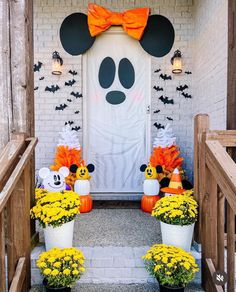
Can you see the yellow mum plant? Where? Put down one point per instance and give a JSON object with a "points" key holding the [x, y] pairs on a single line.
{"points": [[61, 267], [55, 208], [170, 265], [176, 210]]}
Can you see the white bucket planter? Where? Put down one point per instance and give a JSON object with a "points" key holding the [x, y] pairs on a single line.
{"points": [[82, 187], [177, 235], [59, 236]]}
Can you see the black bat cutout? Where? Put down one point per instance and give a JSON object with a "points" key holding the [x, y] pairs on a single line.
{"points": [[68, 99], [61, 107], [165, 77], [70, 82], [41, 78], [76, 112], [188, 72], [186, 95], [158, 126], [182, 87], [76, 128], [158, 88], [76, 94], [36, 88], [38, 66], [170, 119], [166, 100], [157, 70], [53, 88], [73, 72], [69, 123], [156, 111]]}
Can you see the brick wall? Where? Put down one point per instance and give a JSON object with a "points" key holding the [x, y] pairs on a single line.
{"points": [[48, 15], [210, 60]]}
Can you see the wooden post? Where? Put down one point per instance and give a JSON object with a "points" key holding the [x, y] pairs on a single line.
{"points": [[18, 236], [2, 254], [209, 227], [5, 100], [220, 231], [201, 127], [230, 248], [231, 87], [22, 77]]}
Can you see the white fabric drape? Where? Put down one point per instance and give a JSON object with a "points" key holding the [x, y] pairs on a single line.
{"points": [[116, 134]]}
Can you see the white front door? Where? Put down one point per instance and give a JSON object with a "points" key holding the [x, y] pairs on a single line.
{"points": [[116, 120]]}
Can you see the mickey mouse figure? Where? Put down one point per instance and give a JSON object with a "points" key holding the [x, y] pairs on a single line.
{"points": [[151, 186], [54, 181], [82, 185]]}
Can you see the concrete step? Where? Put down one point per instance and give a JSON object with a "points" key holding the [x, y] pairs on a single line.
{"points": [[114, 265], [150, 287]]}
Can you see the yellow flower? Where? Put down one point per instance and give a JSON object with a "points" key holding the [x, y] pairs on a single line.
{"points": [[57, 264], [75, 272], [47, 272], [42, 265], [67, 258], [74, 265], [55, 272], [66, 272], [82, 269], [165, 260], [51, 260]]}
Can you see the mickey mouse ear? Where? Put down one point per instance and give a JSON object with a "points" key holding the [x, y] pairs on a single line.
{"points": [[74, 34], [158, 37]]}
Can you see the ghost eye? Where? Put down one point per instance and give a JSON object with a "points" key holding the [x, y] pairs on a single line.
{"points": [[55, 177], [126, 73], [107, 72], [58, 176]]}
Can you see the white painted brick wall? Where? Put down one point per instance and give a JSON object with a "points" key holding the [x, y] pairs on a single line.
{"points": [[210, 60], [48, 15]]}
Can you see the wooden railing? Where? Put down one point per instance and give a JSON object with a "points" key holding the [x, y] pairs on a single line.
{"points": [[215, 189], [15, 189]]}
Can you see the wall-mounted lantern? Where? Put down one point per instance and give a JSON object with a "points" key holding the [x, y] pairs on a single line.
{"points": [[57, 63], [176, 62]]}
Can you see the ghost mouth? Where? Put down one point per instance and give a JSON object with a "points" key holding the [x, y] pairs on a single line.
{"points": [[115, 97]]}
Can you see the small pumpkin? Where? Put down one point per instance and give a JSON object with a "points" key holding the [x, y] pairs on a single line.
{"points": [[148, 203], [86, 204], [82, 187]]}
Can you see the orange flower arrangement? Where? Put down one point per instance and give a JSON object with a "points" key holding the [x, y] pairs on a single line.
{"points": [[66, 156], [168, 158]]}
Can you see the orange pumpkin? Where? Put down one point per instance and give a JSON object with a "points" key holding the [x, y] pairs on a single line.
{"points": [[86, 204], [148, 203]]}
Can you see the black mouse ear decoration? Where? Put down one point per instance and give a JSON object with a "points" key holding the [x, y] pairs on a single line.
{"points": [[90, 167], [158, 37], [164, 183], [143, 167], [73, 168], [74, 34], [187, 185]]}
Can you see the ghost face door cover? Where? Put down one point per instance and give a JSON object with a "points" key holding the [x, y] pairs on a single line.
{"points": [[106, 76]]}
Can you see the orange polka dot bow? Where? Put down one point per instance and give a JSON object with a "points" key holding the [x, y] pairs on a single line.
{"points": [[133, 21]]}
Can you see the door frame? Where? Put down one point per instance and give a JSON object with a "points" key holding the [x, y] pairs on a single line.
{"points": [[114, 30]]}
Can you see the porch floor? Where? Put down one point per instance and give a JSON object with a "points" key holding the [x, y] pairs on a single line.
{"points": [[113, 239]]}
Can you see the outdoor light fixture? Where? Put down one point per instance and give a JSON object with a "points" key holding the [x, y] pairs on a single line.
{"points": [[57, 63], [176, 62]]}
